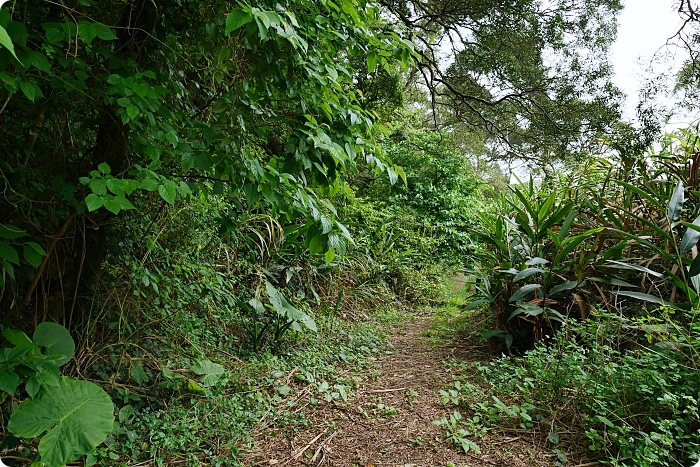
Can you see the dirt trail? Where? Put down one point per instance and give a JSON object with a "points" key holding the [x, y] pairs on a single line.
{"points": [[388, 422]]}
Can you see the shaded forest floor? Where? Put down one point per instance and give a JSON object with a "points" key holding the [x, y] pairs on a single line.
{"points": [[388, 419]]}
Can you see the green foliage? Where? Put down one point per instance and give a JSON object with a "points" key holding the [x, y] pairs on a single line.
{"points": [[635, 407], [71, 416]]}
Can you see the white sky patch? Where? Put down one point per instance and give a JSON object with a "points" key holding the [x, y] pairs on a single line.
{"points": [[644, 28]]}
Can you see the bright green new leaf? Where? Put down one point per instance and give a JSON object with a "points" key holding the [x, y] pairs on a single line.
{"points": [[194, 387], [6, 42], [73, 418], [56, 339], [16, 337], [94, 202], [236, 19]]}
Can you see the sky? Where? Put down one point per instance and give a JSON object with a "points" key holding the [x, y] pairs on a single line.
{"points": [[644, 27]]}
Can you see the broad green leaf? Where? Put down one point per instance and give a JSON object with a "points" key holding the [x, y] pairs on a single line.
{"points": [[31, 256], [94, 202], [524, 291], [168, 191], [9, 380], [605, 421], [211, 372], [372, 60], [623, 265], [194, 387], [562, 287], [73, 418], [138, 374], [647, 298], [16, 337], [536, 261], [527, 309], [6, 42], [8, 253], [10, 232], [525, 273], [56, 339], [112, 205], [28, 89], [691, 236], [98, 186], [330, 255], [286, 309], [132, 111], [87, 31], [675, 205], [695, 267], [40, 61], [103, 32], [236, 19]]}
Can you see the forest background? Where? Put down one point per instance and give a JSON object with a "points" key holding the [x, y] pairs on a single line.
{"points": [[197, 195]]}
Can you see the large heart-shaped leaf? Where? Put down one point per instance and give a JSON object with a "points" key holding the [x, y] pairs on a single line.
{"points": [[57, 341], [211, 372], [75, 416], [286, 309]]}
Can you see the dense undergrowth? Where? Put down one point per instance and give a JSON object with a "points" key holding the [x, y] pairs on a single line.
{"points": [[591, 282], [206, 207]]}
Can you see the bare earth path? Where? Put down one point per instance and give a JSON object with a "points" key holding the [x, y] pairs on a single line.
{"points": [[388, 422]]}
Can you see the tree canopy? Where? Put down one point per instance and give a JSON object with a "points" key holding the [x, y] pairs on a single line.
{"points": [[533, 75]]}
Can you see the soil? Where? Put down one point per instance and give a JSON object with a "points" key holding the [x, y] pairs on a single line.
{"points": [[388, 421]]}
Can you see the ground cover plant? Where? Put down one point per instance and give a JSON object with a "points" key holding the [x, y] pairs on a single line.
{"points": [[608, 319]]}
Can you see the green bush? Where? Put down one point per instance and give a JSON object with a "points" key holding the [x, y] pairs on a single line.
{"points": [[631, 387]]}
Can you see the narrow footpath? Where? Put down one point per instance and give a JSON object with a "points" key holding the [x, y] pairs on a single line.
{"points": [[388, 422]]}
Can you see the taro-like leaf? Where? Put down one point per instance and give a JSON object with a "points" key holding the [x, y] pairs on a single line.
{"points": [[286, 309], [210, 371], [73, 418], [57, 341]]}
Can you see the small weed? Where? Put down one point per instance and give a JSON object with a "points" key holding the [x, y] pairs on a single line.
{"points": [[456, 435], [411, 396], [418, 441]]}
